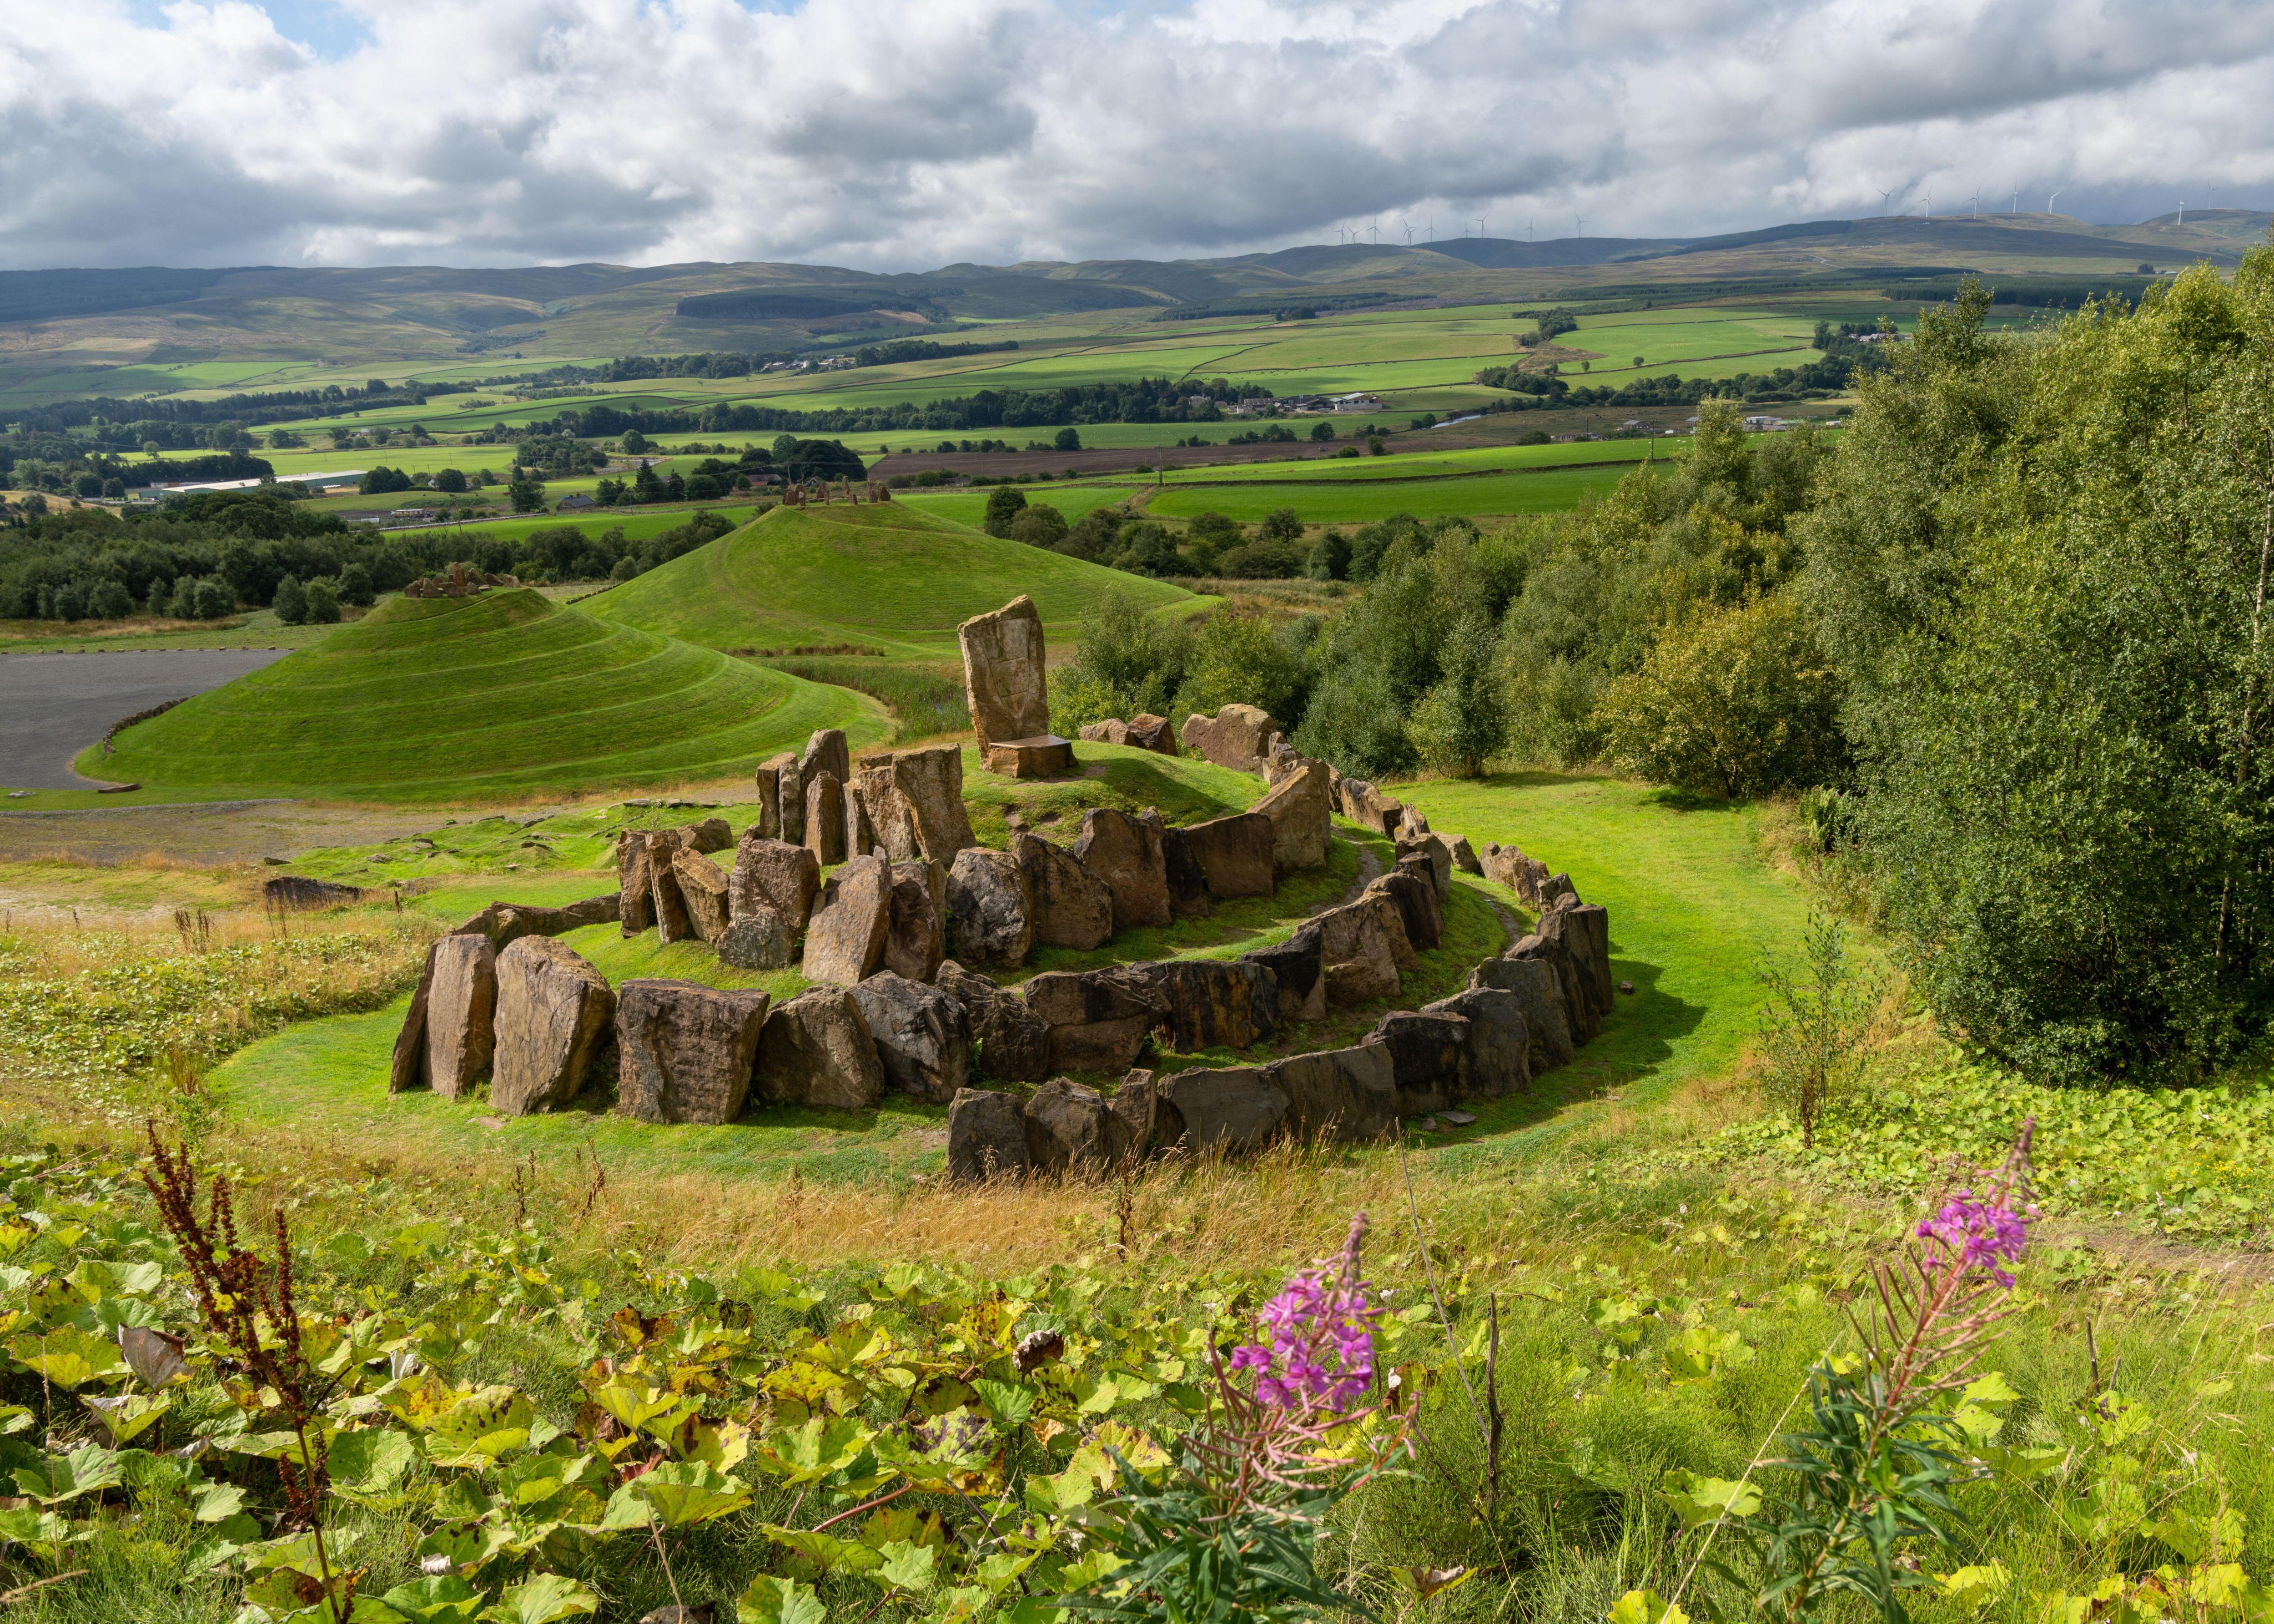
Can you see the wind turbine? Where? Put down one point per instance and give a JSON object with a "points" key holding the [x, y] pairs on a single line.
{"points": [[2017, 200], [2049, 201], [1886, 195], [2183, 211], [1930, 204], [1433, 229], [1975, 205], [1409, 229], [1481, 219]]}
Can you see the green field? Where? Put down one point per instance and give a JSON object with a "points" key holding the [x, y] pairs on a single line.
{"points": [[494, 697], [882, 574], [1351, 501]]}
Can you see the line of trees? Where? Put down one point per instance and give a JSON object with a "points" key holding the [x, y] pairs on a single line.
{"points": [[1145, 399]]}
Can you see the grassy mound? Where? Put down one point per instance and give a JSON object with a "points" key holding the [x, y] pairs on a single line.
{"points": [[883, 575], [433, 699]]}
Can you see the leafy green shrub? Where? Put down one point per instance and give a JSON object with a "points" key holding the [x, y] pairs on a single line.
{"points": [[323, 603], [1462, 722], [1239, 658], [1815, 1027], [213, 600], [1003, 505], [1038, 525], [110, 600], [356, 584], [1128, 663], [1731, 702], [289, 601]]}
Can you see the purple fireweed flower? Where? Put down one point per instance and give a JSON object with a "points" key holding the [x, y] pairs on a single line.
{"points": [[1983, 1234], [1316, 1350]]}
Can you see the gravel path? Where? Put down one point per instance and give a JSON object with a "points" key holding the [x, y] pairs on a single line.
{"points": [[52, 706]]}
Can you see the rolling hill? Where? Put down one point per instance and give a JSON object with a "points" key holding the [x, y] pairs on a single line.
{"points": [[882, 575], [436, 699]]}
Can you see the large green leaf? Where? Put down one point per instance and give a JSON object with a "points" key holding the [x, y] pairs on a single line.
{"points": [[676, 1494], [447, 1599], [779, 1601], [541, 1599]]}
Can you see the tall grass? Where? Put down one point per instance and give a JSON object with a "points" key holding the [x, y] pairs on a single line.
{"points": [[926, 701]]}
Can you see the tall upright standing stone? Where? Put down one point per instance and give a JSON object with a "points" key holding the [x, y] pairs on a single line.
{"points": [[1005, 683]]}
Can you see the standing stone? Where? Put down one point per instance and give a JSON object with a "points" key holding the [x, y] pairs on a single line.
{"points": [[932, 781], [505, 923], [1411, 825], [758, 938], [990, 916], [1213, 1003], [1299, 974], [1361, 960], [816, 1051], [790, 797], [824, 819], [986, 1136], [1002, 673], [1432, 850], [703, 888], [768, 826], [1099, 1019], [916, 931], [461, 1014], [1416, 902], [845, 938], [685, 1050], [1129, 1117], [1546, 1020], [774, 874], [1113, 730], [1011, 1040], [1235, 1109], [712, 834], [1346, 1094], [1072, 907], [1045, 757], [1188, 890], [1424, 1053], [407, 1067], [635, 881], [671, 923], [1126, 852], [1551, 886], [1496, 1054], [1301, 816], [1579, 1008], [860, 833], [1585, 930], [553, 1013], [923, 1036], [1234, 853], [825, 752], [1237, 736], [1464, 857], [1148, 731], [1066, 1126]]}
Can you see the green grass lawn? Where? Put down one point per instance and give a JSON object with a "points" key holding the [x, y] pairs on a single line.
{"points": [[1356, 502], [885, 576], [492, 697], [969, 507]]}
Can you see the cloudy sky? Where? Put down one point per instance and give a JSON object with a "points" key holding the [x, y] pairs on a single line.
{"points": [[905, 134]]}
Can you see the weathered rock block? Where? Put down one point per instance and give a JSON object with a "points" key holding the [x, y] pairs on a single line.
{"points": [[1411, 824], [553, 1013], [1432, 850], [1003, 672], [1066, 1126], [1046, 755], [1188, 881], [1235, 1109], [1237, 736], [1208, 1004], [1012, 1042], [407, 1067], [986, 1136], [845, 938], [767, 825], [824, 818], [860, 833], [1497, 1056], [1099, 1019], [1126, 853], [825, 752], [1360, 943], [991, 915], [1234, 853], [916, 931], [1299, 974], [816, 1049], [790, 798], [685, 1050], [1129, 1117], [712, 834], [758, 938], [702, 889], [776, 875], [914, 800], [672, 922], [1152, 732], [1071, 907], [1547, 1016], [1579, 1008], [636, 881], [1301, 816], [1113, 730], [923, 1036], [1553, 887], [1369, 808], [1344, 1094], [1416, 902], [1585, 930], [505, 923], [461, 1014], [1464, 857], [1424, 1057]]}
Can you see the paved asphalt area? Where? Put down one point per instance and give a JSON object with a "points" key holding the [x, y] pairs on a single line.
{"points": [[52, 706]]}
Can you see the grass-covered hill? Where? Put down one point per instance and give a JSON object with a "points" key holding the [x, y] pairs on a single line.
{"points": [[507, 694], [883, 575]]}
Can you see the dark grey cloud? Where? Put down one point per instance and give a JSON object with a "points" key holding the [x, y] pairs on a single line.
{"points": [[908, 133]]}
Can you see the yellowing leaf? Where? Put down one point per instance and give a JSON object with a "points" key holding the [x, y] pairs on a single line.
{"points": [[1975, 1587], [1645, 1607], [779, 1601]]}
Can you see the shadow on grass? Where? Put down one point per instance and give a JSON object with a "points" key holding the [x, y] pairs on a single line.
{"points": [[1688, 800]]}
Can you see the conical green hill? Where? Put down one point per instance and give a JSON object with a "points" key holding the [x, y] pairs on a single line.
{"points": [[882, 574], [428, 699]]}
